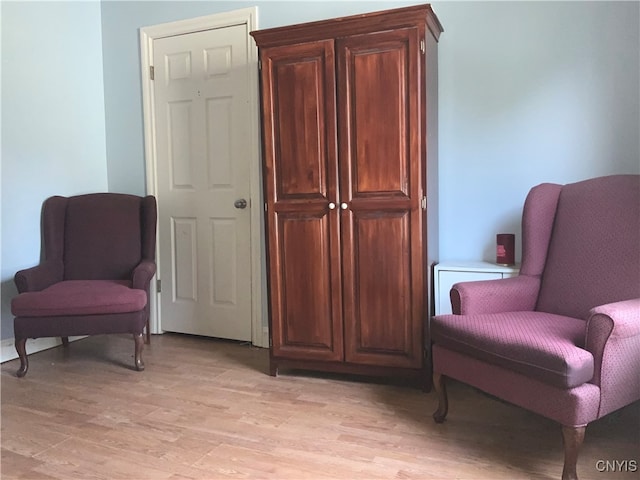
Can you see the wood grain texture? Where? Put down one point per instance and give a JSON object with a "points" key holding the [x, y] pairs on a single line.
{"points": [[207, 409]]}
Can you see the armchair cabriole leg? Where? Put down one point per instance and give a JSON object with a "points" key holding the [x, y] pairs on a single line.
{"points": [[147, 311], [139, 341], [65, 341], [440, 386], [572, 438], [21, 348]]}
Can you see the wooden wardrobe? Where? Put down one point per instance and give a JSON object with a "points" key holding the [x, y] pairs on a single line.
{"points": [[349, 112]]}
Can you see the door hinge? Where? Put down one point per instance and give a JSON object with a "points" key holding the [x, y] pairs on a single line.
{"points": [[265, 206], [259, 64], [424, 203], [422, 46], [152, 72], [158, 285]]}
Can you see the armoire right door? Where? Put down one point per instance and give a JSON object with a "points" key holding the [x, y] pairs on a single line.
{"points": [[380, 170]]}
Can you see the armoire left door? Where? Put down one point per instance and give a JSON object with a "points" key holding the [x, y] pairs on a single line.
{"points": [[303, 230]]}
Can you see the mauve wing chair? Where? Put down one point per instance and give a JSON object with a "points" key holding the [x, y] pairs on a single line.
{"points": [[562, 339], [98, 261]]}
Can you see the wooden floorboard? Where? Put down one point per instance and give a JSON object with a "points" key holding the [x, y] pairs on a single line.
{"points": [[207, 409]]}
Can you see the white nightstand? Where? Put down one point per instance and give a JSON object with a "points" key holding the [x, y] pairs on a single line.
{"points": [[447, 273]]}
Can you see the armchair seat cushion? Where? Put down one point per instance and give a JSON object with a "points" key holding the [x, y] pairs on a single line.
{"points": [[80, 297], [541, 345]]}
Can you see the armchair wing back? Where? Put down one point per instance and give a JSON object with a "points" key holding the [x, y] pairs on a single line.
{"points": [[594, 252], [98, 261], [561, 339]]}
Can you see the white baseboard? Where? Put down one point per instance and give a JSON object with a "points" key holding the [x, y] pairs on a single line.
{"points": [[8, 346]]}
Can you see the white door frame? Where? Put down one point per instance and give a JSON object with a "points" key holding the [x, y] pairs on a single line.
{"points": [[249, 17]]}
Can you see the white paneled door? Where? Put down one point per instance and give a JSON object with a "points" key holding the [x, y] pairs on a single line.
{"points": [[202, 118]]}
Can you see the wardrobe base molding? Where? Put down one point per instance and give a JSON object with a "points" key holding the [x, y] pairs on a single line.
{"points": [[420, 377]]}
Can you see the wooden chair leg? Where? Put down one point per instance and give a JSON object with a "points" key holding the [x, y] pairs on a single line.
{"points": [[147, 312], [21, 348], [65, 341], [148, 331], [572, 438], [440, 386], [138, 338]]}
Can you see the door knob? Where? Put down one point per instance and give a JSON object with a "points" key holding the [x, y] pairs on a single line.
{"points": [[241, 203], [343, 206], [332, 206]]}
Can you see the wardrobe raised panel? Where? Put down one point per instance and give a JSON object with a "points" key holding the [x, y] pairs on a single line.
{"points": [[300, 99], [305, 291], [383, 329], [377, 86]]}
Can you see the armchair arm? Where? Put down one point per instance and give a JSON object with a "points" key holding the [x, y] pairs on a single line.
{"points": [[143, 274], [39, 277], [613, 338], [618, 319], [514, 294]]}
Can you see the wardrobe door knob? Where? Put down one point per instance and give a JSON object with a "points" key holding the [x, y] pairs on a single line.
{"points": [[343, 206], [332, 206]]}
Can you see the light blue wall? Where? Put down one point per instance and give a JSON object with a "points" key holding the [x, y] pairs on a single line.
{"points": [[529, 92], [53, 133]]}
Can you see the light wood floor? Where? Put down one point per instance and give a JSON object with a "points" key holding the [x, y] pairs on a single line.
{"points": [[207, 409]]}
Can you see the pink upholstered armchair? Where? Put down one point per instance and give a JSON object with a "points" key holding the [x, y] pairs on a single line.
{"points": [[98, 260], [562, 339]]}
